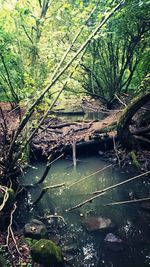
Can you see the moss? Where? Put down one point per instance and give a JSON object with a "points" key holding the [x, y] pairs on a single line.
{"points": [[30, 241], [47, 253], [4, 262], [134, 159]]}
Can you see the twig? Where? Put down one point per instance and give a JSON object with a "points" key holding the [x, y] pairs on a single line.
{"points": [[90, 175], [128, 201], [84, 202], [29, 37], [54, 216], [103, 191], [48, 166], [5, 198], [44, 190], [74, 154], [124, 104], [122, 183], [116, 151], [10, 232]]}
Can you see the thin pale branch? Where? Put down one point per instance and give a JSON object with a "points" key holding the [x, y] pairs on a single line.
{"points": [[103, 191]]}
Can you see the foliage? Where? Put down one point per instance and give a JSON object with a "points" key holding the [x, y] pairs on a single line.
{"points": [[118, 54]]}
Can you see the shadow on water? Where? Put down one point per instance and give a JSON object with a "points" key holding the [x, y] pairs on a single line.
{"points": [[91, 248]]}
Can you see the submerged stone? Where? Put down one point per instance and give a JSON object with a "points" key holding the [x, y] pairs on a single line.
{"points": [[46, 252], [35, 229], [114, 242], [97, 223]]}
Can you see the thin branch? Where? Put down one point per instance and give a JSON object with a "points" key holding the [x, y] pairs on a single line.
{"points": [[103, 191], [122, 183], [116, 151], [124, 104], [9, 80], [54, 216], [48, 166], [128, 201], [84, 202], [10, 232], [44, 190], [90, 175], [4, 189], [29, 37]]}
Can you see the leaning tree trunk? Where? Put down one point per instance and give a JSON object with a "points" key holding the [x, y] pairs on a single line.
{"points": [[125, 136]]}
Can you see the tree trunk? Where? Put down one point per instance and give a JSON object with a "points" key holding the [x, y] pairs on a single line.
{"points": [[125, 136]]}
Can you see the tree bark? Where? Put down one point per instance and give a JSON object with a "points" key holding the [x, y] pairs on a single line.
{"points": [[125, 136]]}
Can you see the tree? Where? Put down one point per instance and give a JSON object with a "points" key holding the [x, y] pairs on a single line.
{"points": [[127, 138], [114, 56]]}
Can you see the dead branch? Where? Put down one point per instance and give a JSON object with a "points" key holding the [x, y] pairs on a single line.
{"points": [[124, 104], [129, 201], [90, 175], [4, 189], [48, 166], [44, 190], [10, 232], [54, 216], [103, 191], [116, 151], [84, 202], [122, 183], [141, 131], [142, 139]]}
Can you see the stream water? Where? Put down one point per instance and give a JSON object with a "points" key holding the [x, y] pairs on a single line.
{"points": [[89, 249]]}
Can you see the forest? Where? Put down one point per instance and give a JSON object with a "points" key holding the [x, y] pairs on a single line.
{"points": [[74, 133]]}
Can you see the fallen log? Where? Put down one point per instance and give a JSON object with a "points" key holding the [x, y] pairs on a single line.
{"points": [[68, 113], [91, 146]]}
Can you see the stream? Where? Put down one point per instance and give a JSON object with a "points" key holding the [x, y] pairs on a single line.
{"points": [[89, 248]]}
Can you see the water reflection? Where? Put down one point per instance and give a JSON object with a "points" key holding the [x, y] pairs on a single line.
{"points": [[91, 247]]}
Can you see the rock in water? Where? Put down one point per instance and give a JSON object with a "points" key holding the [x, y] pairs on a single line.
{"points": [[35, 229], [46, 252], [114, 242], [97, 223]]}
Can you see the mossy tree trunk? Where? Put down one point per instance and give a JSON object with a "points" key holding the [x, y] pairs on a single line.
{"points": [[125, 136]]}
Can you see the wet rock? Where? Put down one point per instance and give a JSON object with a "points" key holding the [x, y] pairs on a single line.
{"points": [[35, 229], [114, 242], [46, 252], [97, 224]]}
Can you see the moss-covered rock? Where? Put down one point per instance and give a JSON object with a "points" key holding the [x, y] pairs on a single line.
{"points": [[47, 253]]}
